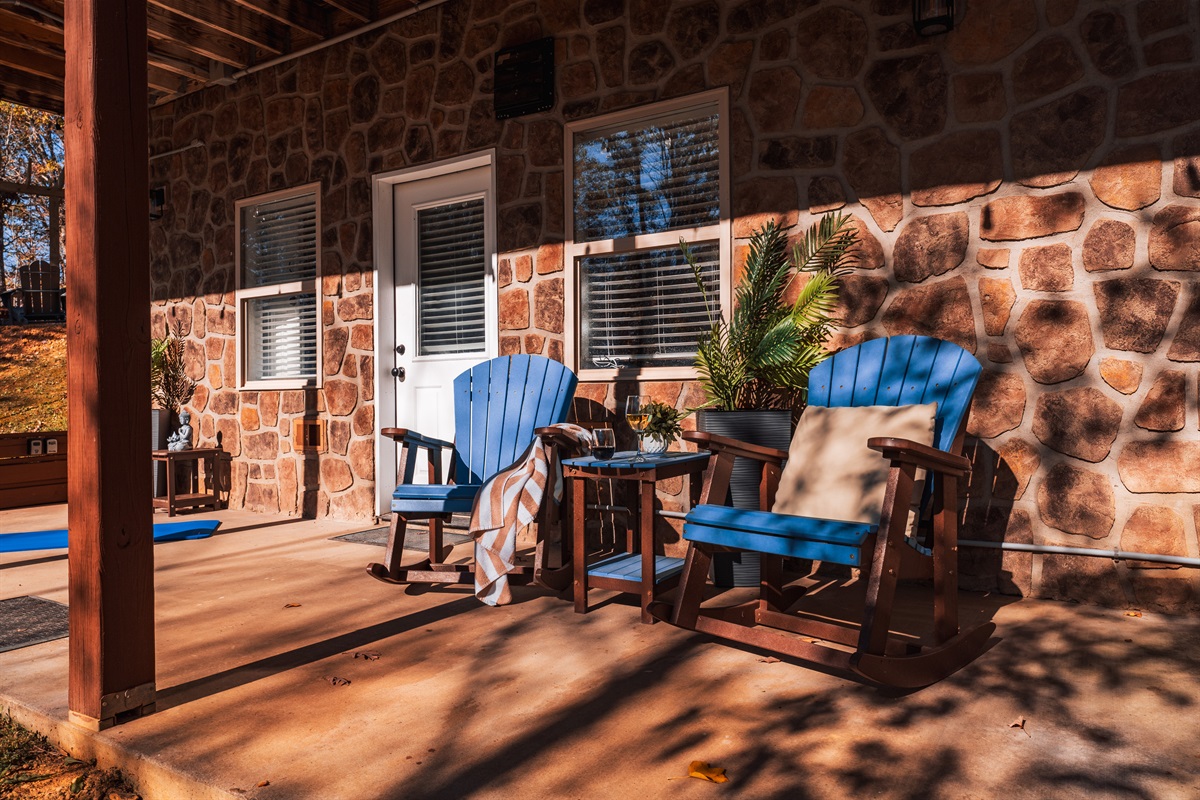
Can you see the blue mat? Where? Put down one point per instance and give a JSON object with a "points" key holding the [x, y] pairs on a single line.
{"points": [[55, 540]]}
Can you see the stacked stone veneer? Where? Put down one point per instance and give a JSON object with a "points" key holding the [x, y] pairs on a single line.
{"points": [[1027, 186]]}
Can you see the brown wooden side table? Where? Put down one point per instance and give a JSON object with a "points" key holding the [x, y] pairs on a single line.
{"points": [[638, 570], [192, 498]]}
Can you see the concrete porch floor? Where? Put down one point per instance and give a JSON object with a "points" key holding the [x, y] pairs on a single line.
{"points": [[532, 700]]}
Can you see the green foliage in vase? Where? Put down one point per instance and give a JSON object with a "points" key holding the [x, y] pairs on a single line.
{"points": [[170, 387], [663, 421], [761, 356]]}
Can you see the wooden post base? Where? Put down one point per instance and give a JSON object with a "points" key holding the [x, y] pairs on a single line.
{"points": [[119, 707]]}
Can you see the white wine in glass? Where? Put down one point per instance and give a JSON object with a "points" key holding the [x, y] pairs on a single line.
{"points": [[638, 419]]}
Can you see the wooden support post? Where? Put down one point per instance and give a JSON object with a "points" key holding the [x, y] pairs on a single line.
{"points": [[111, 568]]}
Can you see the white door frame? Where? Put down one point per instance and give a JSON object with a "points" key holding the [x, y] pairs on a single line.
{"points": [[383, 296]]}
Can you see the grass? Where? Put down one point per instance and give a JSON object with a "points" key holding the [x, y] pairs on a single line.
{"points": [[33, 378], [33, 769]]}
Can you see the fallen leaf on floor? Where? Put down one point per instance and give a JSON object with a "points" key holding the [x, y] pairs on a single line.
{"points": [[77, 785], [1019, 722], [701, 770], [367, 655], [291, 605], [261, 784], [1133, 613], [769, 660], [334, 680]]}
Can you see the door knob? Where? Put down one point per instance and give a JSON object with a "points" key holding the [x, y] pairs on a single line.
{"points": [[398, 372]]}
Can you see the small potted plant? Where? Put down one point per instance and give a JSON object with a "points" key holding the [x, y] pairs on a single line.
{"points": [[662, 426], [170, 388]]}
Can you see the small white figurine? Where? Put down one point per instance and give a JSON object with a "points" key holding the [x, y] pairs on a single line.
{"points": [[181, 439]]}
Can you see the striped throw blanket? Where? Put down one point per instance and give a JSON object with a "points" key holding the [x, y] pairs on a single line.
{"points": [[508, 502]]}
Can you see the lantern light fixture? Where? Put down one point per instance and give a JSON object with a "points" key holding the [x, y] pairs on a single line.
{"points": [[931, 17], [158, 202]]}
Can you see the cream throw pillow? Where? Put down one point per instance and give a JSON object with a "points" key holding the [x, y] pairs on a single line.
{"points": [[830, 471]]}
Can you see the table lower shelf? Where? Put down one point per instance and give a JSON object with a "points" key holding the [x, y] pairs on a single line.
{"points": [[628, 567], [190, 500]]}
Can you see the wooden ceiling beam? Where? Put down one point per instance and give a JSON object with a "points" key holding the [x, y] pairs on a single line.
{"points": [[24, 97], [299, 14], [165, 55], [361, 10], [31, 90], [165, 27], [49, 20], [163, 80], [34, 62], [231, 20], [18, 27]]}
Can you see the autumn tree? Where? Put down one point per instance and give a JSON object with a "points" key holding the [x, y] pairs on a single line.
{"points": [[31, 154]]}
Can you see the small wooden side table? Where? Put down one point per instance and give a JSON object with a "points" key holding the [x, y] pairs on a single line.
{"points": [[193, 497], [638, 570]]}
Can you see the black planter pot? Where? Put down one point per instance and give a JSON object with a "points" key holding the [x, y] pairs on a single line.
{"points": [[769, 428]]}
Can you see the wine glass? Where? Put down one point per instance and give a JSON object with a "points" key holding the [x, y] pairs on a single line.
{"points": [[604, 443], [636, 416]]}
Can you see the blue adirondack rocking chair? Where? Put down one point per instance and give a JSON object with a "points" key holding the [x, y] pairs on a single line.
{"points": [[900, 371], [499, 406]]}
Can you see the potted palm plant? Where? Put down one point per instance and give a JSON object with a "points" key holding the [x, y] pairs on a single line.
{"points": [[754, 366]]}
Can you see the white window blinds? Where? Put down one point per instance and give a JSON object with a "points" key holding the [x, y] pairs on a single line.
{"points": [[283, 331], [450, 273], [279, 241], [644, 308]]}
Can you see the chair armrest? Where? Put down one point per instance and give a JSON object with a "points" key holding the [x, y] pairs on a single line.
{"points": [[569, 445], [405, 436], [724, 444], [921, 455]]}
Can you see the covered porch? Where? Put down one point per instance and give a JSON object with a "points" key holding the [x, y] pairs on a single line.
{"points": [[470, 701]]}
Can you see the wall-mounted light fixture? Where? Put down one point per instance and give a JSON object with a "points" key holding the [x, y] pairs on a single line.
{"points": [[931, 17], [158, 201]]}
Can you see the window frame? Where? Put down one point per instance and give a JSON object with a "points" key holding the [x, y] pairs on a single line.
{"points": [[244, 294], [573, 251]]}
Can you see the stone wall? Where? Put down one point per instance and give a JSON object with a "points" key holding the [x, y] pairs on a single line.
{"points": [[1026, 186]]}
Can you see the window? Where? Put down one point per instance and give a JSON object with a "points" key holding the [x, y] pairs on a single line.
{"points": [[451, 268], [278, 298], [640, 181]]}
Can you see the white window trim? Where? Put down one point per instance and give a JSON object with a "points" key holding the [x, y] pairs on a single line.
{"points": [[244, 294], [573, 251]]}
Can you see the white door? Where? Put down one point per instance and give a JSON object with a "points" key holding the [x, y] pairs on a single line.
{"points": [[445, 295]]}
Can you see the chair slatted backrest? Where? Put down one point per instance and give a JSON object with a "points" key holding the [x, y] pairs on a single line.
{"points": [[497, 406], [901, 370]]}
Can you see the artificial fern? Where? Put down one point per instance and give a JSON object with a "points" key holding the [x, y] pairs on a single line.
{"points": [[170, 386]]}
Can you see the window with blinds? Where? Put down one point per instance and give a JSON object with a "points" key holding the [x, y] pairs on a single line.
{"points": [[279, 241], [640, 182], [450, 278], [661, 177], [277, 291], [284, 329], [644, 308]]}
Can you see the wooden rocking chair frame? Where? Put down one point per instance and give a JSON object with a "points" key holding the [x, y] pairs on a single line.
{"points": [[543, 406], [877, 653]]}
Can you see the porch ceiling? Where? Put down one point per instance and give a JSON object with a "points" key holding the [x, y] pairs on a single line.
{"points": [[190, 42]]}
